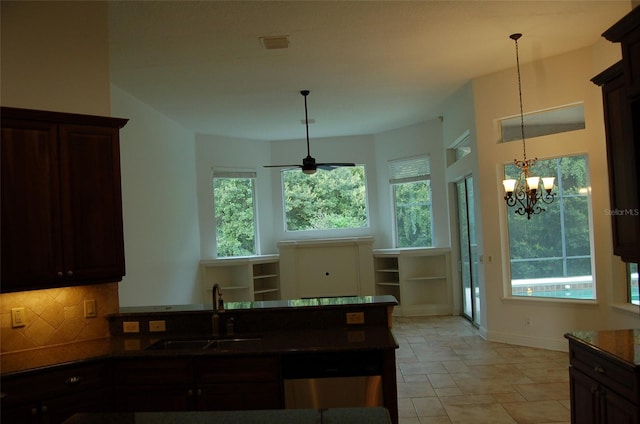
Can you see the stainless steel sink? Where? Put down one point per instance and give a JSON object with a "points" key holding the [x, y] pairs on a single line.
{"points": [[199, 344]]}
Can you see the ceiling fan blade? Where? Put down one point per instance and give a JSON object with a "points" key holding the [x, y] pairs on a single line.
{"points": [[282, 166], [332, 166]]}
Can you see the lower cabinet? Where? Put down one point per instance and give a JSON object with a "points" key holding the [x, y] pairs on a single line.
{"points": [[205, 384], [52, 396], [593, 403], [603, 390]]}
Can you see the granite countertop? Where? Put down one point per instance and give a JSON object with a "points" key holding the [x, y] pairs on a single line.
{"points": [[623, 345], [377, 415], [275, 343], [275, 327], [325, 302]]}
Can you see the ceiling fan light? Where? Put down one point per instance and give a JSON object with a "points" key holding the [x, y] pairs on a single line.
{"points": [[309, 171]]}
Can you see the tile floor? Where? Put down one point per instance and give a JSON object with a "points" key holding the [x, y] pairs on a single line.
{"points": [[448, 374]]}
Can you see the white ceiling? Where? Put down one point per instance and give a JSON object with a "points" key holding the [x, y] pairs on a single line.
{"points": [[370, 66]]}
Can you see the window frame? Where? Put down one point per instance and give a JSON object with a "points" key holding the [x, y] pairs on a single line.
{"points": [[408, 171], [233, 173], [508, 288], [325, 232]]}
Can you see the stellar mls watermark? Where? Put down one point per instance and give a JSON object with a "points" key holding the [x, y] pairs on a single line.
{"points": [[622, 212]]}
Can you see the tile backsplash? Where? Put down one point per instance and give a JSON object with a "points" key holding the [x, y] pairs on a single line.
{"points": [[56, 316]]}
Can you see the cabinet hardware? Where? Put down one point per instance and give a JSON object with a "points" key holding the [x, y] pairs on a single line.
{"points": [[74, 380], [598, 369], [60, 274], [70, 273]]}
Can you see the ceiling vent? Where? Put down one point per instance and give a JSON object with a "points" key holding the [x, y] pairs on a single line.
{"points": [[275, 42]]}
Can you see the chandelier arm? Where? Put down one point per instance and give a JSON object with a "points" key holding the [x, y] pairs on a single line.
{"points": [[548, 198]]}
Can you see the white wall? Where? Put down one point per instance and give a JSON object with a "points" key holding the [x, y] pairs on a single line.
{"points": [[159, 207], [458, 122], [55, 56], [237, 154], [547, 83], [414, 140]]}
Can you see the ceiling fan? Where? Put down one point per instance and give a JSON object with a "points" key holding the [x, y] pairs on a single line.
{"points": [[309, 165]]}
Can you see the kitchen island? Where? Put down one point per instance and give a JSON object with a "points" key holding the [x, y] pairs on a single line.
{"points": [[144, 371], [604, 376]]}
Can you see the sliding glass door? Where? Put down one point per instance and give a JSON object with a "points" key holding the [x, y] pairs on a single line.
{"points": [[468, 265]]}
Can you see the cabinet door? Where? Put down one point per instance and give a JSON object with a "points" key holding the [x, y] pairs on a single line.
{"points": [[151, 398], [623, 172], [31, 243], [239, 396], [584, 398], [56, 410], [616, 409], [23, 414], [153, 385], [91, 203]]}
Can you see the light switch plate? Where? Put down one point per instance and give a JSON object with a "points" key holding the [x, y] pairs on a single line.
{"points": [[90, 310], [355, 317], [17, 317], [157, 326], [131, 327]]}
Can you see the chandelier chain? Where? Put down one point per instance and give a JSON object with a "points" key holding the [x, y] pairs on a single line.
{"points": [[524, 143]]}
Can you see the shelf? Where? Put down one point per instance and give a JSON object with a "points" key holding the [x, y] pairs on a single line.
{"points": [[243, 279], [258, 277], [265, 291], [420, 279], [435, 277], [230, 288]]}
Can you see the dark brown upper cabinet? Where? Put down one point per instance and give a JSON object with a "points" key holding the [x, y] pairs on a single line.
{"points": [[621, 96], [61, 221]]}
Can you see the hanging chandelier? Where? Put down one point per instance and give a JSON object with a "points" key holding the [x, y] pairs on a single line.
{"points": [[527, 193]]}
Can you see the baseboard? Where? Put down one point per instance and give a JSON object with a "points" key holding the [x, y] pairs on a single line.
{"points": [[529, 341]]}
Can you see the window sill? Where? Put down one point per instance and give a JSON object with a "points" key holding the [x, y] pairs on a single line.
{"points": [[551, 300], [628, 308]]}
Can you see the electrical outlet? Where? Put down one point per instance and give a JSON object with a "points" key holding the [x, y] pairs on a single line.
{"points": [[17, 317], [131, 327], [90, 310], [157, 326], [355, 317], [528, 321]]}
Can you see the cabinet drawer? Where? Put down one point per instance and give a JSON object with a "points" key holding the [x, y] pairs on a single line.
{"points": [[52, 383], [153, 371], [237, 370], [615, 375]]}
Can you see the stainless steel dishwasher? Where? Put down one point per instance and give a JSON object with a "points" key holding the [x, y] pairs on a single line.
{"points": [[332, 380]]}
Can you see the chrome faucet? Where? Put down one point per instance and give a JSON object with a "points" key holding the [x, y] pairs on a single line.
{"points": [[218, 306]]}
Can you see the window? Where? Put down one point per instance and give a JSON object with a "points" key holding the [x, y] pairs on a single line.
{"points": [[234, 206], [550, 254], [536, 124], [325, 200], [411, 191], [632, 276]]}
